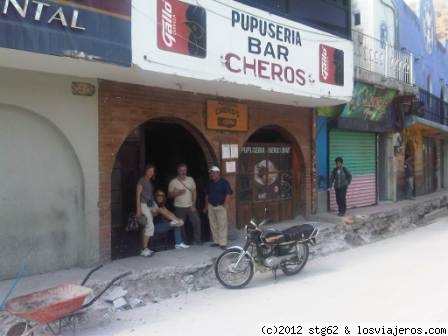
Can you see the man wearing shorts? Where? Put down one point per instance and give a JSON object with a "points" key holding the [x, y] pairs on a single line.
{"points": [[144, 204]]}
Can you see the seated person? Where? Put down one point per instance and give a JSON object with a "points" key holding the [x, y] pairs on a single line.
{"points": [[165, 220]]}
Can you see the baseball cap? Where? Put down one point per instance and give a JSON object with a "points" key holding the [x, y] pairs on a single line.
{"points": [[214, 169]]}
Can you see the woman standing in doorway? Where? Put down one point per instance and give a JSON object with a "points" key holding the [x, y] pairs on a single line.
{"points": [[145, 202]]}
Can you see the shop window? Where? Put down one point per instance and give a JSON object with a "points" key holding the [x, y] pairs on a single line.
{"points": [[357, 19]]}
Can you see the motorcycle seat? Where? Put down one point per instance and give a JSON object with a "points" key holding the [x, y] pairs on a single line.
{"points": [[299, 232]]}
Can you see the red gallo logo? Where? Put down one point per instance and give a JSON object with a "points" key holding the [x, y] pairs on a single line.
{"points": [[181, 28], [324, 62], [331, 65], [168, 27]]}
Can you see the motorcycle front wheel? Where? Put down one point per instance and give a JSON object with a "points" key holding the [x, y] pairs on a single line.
{"points": [[294, 266], [231, 275]]}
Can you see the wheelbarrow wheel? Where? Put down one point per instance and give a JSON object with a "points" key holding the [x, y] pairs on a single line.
{"points": [[19, 329]]}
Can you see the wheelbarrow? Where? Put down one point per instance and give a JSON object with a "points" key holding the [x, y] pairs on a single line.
{"points": [[56, 307]]}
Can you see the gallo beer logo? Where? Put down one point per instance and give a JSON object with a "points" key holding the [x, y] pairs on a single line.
{"points": [[182, 28], [331, 65], [324, 63], [168, 29]]}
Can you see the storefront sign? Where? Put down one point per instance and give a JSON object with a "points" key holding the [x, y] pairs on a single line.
{"points": [[368, 103], [226, 116], [89, 29], [231, 42], [38, 9]]}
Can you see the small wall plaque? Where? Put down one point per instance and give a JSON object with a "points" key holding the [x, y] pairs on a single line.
{"points": [[83, 89]]}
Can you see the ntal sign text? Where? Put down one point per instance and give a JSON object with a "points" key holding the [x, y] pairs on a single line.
{"points": [[38, 10]]}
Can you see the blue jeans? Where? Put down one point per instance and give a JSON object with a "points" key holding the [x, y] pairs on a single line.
{"points": [[161, 227]]}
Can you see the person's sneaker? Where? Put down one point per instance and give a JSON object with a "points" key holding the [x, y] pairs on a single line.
{"points": [[181, 246], [146, 252], [177, 223]]}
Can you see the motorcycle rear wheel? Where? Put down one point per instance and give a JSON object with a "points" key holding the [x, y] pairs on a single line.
{"points": [[230, 276], [294, 266]]}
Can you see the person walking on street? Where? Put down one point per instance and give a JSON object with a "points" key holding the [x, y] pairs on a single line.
{"points": [[218, 192], [340, 179], [145, 202], [183, 190], [409, 175]]}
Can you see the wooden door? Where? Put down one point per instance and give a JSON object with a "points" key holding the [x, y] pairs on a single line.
{"points": [[429, 165], [125, 175], [265, 180]]}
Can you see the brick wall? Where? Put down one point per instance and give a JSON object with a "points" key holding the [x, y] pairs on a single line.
{"points": [[124, 107]]}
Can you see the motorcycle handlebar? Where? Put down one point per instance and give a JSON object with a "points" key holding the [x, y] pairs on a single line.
{"points": [[263, 222]]}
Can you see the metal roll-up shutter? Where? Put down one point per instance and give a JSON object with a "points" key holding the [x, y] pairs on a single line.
{"points": [[358, 149]]}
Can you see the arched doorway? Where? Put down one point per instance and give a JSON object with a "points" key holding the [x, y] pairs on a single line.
{"points": [[42, 195], [164, 143], [271, 175]]}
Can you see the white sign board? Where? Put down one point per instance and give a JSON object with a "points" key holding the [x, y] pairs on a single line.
{"points": [[226, 41], [230, 167], [225, 151], [234, 153]]}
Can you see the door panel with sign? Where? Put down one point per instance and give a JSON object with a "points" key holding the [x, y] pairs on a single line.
{"points": [[265, 181]]}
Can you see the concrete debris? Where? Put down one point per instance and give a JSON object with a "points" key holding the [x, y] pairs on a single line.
{"points": [[117, 292], [120, 303], [135, 303]]}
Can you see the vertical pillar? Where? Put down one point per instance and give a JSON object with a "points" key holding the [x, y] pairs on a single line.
{"points": [[386, 171]]}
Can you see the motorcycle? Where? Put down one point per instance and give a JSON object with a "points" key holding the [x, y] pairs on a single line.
{"points": [[270, 249]]}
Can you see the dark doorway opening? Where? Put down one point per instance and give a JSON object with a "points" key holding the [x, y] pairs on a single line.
{"points": [[409, 153], [429, 165], [164, 144]]}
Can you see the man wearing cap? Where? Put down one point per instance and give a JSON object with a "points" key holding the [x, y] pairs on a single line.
{"points": [[217, 192]]}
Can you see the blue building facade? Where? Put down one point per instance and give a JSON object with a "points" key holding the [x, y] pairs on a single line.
{"points": [[426, 124], [419, 37], [412, 70]]}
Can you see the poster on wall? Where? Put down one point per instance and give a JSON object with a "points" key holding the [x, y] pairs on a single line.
{"points": [[92, 30], [231, 42], [368, 103]]}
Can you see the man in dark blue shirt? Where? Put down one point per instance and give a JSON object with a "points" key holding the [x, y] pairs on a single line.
{"points": [[217, 192]]}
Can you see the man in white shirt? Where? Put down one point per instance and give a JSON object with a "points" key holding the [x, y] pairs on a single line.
{"points": [[183, 190]]}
